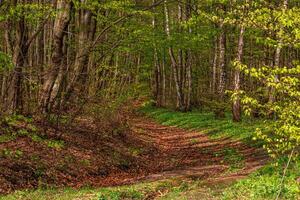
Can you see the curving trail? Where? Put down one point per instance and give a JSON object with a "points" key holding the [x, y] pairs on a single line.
{"points": [[147, 151], [191, 154]]}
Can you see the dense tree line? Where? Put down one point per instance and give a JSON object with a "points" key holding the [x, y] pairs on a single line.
{"points": [[56, 52], [55, 55]]}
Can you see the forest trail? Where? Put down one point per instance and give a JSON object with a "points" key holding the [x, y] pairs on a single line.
{"points": [[145, 151], [192, 154]]}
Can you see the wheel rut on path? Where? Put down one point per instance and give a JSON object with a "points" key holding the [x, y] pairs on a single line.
{"points": [[192, 154]]}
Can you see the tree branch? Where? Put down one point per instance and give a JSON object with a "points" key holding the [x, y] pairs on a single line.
{"points": [[35, 34]]}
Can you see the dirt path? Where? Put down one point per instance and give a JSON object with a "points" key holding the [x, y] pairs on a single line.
{"points": [[147, 151], [194, 155]]}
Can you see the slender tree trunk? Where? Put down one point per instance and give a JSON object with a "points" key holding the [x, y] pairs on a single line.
{"points": [[236, 107], [157, 72], [86, 34], [188, 81], [188, 63], [222, 62], [179, 97], [164, 80], [272, 96], [214, 68], [15, 96]]}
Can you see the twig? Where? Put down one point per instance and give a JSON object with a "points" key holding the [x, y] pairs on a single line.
{"points": [[284, 173]]}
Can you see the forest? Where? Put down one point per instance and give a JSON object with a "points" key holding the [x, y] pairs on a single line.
{"points": [[149, 99]]}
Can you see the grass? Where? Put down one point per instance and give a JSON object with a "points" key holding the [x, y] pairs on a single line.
{"points": [[167, 189], [205, 122], [8, 153], [135, 151], [55, 144], [194, 141], [265, 183], [52, 194], [232, 157], [6, 138]]}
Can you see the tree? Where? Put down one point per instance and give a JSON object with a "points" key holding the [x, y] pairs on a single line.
{"points": [[236, 107], [57, 63]]}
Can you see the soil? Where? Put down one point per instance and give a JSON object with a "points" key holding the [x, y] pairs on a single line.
{"points": [[145, 151]]}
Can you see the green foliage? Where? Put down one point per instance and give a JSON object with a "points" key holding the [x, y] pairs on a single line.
{"points": [[127, 7], [265, 184], [55, 144], [194, 141], [135, 151], [5, 62], [233, 158], [6, 138], [284, 23], [85, 162], [8, 153], [33, 13], [14, 120], [281, 29], [167, 189], [283, 134], [170, 188], [51, 194], [204, 122], [59, 119], [15, 126], [130, 193]]}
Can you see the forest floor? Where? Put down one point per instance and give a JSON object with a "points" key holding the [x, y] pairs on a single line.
{"points": [[183, 153], [81, 156]]}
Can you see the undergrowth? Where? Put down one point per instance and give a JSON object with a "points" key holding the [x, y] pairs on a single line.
{"points": [[232, 157], [263, 184], [15, 126], [166, 189], [205, 122]]}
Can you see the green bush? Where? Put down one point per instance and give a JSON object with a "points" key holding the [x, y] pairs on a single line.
{"points": [[130, 193], [265, 184]]}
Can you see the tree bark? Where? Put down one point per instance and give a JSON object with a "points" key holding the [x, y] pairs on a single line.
{"points": [[179, 104], [157, 72], [236, 107], [188, 64], [220, 112], [79, 77], [15, 97], [61, 23], [214, 68]]}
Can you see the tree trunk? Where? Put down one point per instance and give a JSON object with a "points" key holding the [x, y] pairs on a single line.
{"points": [[157, 72], [179, 104], [61, 23], [188, 82], [164, 80], [272, 97], [15, 97], [214, 68], [236, 107], [80, 75], [220, 111]]}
